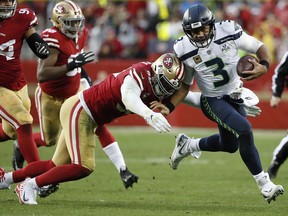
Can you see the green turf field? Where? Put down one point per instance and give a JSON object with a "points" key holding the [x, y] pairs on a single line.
{"points": [[215, 184]]}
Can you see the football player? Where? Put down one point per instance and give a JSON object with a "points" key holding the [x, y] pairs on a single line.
{"points": [[280, 153], [17, 25], [209, 52], [130, 91], [59, 78]]}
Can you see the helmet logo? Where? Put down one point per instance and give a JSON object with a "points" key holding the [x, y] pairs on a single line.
{"points": [[168, 61], [60, 9]]}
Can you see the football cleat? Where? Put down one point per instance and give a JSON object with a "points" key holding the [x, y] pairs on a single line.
{"points": [[181, 150], [18, 159], [128, 178], [273, 169], [26, 193], [3, 184], [269, 190], [45, 191]]}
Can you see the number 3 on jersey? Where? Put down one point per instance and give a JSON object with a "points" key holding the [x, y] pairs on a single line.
{"points": [[219, 71]]}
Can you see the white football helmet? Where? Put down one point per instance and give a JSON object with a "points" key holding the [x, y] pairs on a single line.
{"points": [[7, 10], [67, 16], [169, 72]]}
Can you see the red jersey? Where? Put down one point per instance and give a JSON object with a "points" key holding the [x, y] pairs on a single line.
{"points": [[12, 31], [104, 100], [68, 85]]}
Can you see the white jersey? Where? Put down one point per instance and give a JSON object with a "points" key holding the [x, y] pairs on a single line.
{"points": [[214, 67]]}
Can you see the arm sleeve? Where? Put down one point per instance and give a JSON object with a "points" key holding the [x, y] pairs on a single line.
{"points": [[130, 93], [249, 43], [32, 40], [280, 73]]}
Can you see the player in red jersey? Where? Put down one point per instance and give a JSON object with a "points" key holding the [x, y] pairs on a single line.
{"points": [[15, 26], [130, 91], [59, 78]]}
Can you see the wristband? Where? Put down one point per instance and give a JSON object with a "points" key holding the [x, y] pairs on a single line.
{"points": [[265, 63], [170, 106]]}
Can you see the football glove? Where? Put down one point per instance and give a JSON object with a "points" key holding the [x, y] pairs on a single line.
{"points": [[158, 122], [252, 111], [250, 100], [80, 60]]}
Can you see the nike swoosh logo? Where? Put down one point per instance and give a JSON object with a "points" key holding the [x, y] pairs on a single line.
{"points": [[77, 62], [181, 149], [24, 198], [142, 77]]}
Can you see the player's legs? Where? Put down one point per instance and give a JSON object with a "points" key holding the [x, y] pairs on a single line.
{"points": [[112, 150], [48, 109], [234, 129], [232, 122], [280, 154], [79, 143], [15, 113]]}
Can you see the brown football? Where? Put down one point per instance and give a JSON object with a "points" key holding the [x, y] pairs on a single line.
{"points": [[244, 65]]}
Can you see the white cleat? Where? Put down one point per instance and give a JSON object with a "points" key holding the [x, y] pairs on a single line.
{"points": [[3, 183], [26, 193], [269, 190], [181, 150]]}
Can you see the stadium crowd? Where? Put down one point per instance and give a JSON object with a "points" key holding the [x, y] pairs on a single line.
{"points": [[135, 29]]}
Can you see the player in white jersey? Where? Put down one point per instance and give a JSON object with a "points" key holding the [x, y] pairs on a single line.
{"points": [[209, 52]]}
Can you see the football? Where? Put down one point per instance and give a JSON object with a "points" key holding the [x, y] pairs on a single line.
{"points": [[244, 65]]}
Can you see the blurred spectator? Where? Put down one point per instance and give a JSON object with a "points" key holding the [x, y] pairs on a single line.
{"points": [[136, 24], [111, 47]]}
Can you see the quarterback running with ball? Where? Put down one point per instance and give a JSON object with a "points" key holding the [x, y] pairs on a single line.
{"points": [[209, 52]]}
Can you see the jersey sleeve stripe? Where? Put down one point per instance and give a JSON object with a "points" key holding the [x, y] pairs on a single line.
{"points": [[228, 38], [50, 40], [188, 55], [34, 22], [134, 74], [53, 45], [180, 73]]}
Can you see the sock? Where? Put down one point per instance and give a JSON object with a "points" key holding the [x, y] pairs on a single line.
{"points": [[261, 179], [115, 155], [259, 176], [38, 140], [193, 145], [62, 173], [33, 169], [33, 183], [26, 143], [9, 178], [3, 136], [104, 136]]}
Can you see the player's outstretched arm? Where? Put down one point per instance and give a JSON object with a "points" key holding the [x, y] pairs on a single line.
{"points": [[131, 92]]}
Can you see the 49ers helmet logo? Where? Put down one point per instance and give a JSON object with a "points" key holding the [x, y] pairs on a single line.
{"points": [[168, 61], [60, 10]]}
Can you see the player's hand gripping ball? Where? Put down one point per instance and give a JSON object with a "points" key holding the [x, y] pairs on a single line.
{"points": [[245, 65]]}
